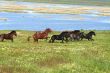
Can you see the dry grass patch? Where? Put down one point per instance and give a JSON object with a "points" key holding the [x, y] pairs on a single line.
{"points": [[12, 69], [14, 7], [6, 69], [52, 62]]}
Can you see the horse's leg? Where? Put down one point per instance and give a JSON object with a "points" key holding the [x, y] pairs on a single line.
{"points": [[71, 38], [28, 39], [66, 39], [12, 40], [62, 40], [50, 41], [46, 38], [2, 39], [92, 39], [88, 39], [78, 38], [37, 40], [53, 40], [81, 38], [34, 40], [74, 39]]}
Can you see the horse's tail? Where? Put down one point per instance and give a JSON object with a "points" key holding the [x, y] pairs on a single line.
{"points": [[28, 39]]}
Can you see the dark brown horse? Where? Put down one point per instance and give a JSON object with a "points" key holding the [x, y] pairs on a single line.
{"points": [[41, 35], [75, 35], [70, 34], [8, 36]]}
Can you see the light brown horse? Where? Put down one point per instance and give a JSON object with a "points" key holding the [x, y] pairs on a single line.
{"points": [[40, 35]]}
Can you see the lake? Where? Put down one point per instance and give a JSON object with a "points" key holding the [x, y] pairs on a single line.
{"points": [[40, 21]]}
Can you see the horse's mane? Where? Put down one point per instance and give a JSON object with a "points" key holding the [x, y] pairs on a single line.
{"points": [[91, 32], [47, 30], [13, 31]]}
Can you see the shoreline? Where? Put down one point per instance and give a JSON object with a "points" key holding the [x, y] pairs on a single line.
{"points": [[29, 7]]}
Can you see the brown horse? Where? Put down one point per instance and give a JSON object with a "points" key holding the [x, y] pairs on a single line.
{"points": [[40, 35], [8, 36]]}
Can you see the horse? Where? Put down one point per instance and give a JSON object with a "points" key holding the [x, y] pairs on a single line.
{"points": [[40, 35], [63, 36], [8, 36], [67, 34], [77, 36], [74, 34], [56, 37], [89, 35]]}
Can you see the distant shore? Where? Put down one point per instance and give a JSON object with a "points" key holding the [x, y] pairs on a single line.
{"points": [[28, 7]]}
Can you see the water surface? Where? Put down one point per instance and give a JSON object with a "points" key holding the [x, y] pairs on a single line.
{"points": [[40, 21]]}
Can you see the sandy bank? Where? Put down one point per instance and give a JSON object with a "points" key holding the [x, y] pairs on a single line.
{"points": [[54, 8]]}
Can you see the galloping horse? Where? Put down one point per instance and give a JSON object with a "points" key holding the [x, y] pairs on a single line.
{"points": [[63, 36], [56, 37], [41, 35], [70, 34], [8, 36], [89, 35], [75, 35]]}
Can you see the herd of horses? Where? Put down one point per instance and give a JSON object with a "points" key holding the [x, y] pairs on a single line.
{"points": [[63, 36]]}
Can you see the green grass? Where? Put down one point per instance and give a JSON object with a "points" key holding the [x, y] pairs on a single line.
{"points": [[84, 56]]}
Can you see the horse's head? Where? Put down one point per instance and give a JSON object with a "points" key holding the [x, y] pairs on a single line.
{"points": [[92, 33], [48, 30], [13, 33], [82, 34]]}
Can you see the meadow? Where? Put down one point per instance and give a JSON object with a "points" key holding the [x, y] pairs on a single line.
{"points": [[84, 56]]}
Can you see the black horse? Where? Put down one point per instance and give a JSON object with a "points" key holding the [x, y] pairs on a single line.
{"points": [[64, 36], [8, 36], [67, 34], [56, 37], [89, 35]]}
